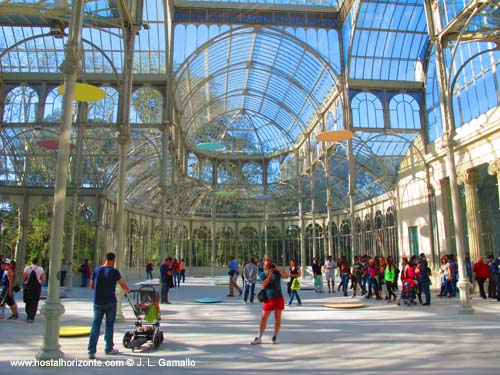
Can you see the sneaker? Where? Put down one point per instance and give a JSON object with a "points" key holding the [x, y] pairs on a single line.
{"points": [[256, 341], [29, 320], [275, 340], [92, 356], [300, 303], [113, 352], [13, 317]]}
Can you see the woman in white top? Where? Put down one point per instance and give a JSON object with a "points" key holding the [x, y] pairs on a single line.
{"points": [[33, 277]]}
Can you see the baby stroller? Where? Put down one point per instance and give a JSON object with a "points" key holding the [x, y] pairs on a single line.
{"points": [[145, 304], [408, 293]]}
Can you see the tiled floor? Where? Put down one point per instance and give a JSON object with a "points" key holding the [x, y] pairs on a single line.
{"points": [[380, 338]]}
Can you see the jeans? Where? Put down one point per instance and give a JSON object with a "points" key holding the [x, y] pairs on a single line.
{"points": [[294, 293], [249, 288], [480, 283], [345, 282], [164, 292], [364, 281], [177, 279], [149, 275], [373, 285], [498, 286], [85, 280], [425, 287], [99, 311], [492, 286]]}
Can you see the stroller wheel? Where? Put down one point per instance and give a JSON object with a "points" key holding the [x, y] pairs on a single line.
{"points": [[127, 338], [161, 337], [157, 339]]}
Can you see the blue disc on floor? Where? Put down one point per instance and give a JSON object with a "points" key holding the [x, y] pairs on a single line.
{"points": [[208, 300]]}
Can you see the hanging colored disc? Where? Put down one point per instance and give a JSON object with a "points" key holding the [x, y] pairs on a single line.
{"points": [[85, 92], [209, 146], [53, 144], [334, 136], [227, 193]]}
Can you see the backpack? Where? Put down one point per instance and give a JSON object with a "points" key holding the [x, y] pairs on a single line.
{"points": [[32, 281]]}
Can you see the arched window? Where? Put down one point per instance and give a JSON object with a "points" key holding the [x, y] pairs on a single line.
{"points": [[359, 225], [405, 112], [329, 121], [21, 105], [249, 244], [367, 111], [206, 171], [146, 106], [379, 220], [133, 243], [252, 173], [273, 171], [389, 218], [53, 106], [202, 240], [339, 115], [288, 167], [274, 245], [105, 110], [192, 165], [227, 173]]}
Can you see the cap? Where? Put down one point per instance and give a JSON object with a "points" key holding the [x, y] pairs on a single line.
{"points": [[6, 261]]}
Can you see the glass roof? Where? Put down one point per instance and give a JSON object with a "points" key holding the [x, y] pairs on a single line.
{"points": [[257, 90], [303, 3], [253, 90], [389, 37]]}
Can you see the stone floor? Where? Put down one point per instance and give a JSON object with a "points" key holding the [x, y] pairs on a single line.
{"points": [[380, 338]]}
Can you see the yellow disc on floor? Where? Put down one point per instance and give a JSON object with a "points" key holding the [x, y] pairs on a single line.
{"points": [[74, 331], [353, 305]]}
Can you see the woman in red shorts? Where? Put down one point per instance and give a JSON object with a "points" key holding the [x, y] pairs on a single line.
{"points": [[271, 282]]}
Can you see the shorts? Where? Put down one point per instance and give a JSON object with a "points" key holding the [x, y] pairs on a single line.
{"points": [[6, 299], [277, 303], [330, 276]]}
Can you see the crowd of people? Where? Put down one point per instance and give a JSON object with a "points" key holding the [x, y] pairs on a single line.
{"points": [[376, 277]]}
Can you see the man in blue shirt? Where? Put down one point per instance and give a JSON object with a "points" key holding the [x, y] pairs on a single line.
{"points": [[233, 276], [103, 281]]}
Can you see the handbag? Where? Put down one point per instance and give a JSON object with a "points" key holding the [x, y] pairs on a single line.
{"points": [[16, 288], [295, 284], [262, 296]]}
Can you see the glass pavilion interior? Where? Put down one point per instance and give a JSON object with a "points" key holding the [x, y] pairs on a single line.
{"points": [[205, 146]]}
